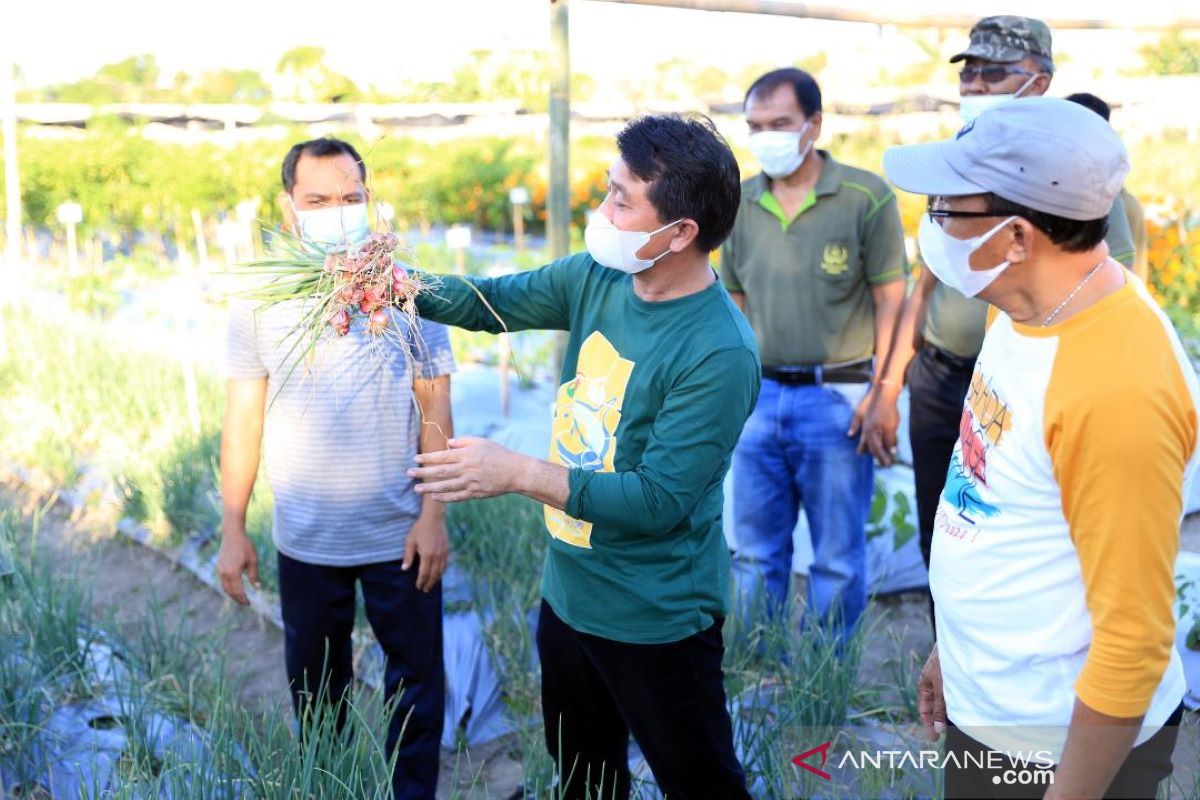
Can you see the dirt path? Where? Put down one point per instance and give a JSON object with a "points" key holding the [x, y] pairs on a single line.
{"points": [[123, 580]]}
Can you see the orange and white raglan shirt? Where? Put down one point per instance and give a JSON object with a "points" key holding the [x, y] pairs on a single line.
{"points": [[1055, 540]]}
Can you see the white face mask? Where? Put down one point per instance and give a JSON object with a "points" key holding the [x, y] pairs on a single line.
{"points": [[950, 259], [971, 106], [334, 225], [617, 249], [779, 151]]}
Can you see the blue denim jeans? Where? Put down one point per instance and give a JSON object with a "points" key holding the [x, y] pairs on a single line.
{"points": [[794, 453]]}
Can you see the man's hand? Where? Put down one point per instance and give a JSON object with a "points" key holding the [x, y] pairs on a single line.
{"points": [[428, 540], [236, 556], [931, 704], [880, 425], [860, 413], [471, 469]]}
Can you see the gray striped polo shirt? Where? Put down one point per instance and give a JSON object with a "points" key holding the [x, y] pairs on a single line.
{"points": [[339, 435]]}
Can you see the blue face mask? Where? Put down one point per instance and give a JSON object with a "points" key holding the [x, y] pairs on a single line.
{"points": [[334, 225]]}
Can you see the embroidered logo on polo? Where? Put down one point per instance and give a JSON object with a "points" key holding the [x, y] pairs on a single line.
{"points": [[835, 259]]}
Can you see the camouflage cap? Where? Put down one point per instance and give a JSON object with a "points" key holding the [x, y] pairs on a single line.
{"points": [[1007, 39]]}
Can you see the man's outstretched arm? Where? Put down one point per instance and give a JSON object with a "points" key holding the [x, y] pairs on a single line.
{"points": [[537, 299]]}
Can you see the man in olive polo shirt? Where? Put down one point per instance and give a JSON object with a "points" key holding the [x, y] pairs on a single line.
{"points": [[816, 261], [1008, 57]]}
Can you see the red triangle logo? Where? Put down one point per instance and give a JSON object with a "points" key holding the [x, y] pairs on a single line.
{"points": [[802, 759]]}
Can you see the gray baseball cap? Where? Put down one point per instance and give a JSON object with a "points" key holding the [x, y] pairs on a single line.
{"points": [[1048, 154]]}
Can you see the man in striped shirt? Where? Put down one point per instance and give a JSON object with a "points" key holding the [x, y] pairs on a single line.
{"points": [[337, 441]]}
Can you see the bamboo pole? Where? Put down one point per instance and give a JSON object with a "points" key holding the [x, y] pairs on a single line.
{"points": [[12, 181], [201, 244], [558, 200], [505, 345], [894, 16], [559, 196]]}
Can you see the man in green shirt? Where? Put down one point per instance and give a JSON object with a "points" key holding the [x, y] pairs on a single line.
{"points": [[816, 260], [659, 375], [1008, 57]]}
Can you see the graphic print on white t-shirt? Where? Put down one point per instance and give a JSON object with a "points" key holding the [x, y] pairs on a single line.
{"points": [[985, 419]]}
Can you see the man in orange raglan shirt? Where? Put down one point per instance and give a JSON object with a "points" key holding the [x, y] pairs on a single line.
{"points": [[1056, 536]]}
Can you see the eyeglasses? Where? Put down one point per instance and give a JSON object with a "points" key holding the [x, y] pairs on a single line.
{"points": [[991, 73], [939, 215]]}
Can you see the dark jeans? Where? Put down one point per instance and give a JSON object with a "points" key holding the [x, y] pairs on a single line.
{"points": [[595, 692], [1143, 769], [937, 386], [318, 604]]}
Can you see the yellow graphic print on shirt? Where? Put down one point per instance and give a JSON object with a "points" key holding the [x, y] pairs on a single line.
{"points": [[586, 414], [990, 410]]}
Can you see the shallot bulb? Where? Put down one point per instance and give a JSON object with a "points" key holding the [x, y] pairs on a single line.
{"points": [[340, 322], [373, 298], [378, 321]]}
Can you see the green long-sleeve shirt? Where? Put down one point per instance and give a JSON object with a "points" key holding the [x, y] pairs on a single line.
{"points": [[653, 398]]}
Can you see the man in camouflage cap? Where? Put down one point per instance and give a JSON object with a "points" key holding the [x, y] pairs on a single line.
{"points": [[1007, 39], [1008, 57]]}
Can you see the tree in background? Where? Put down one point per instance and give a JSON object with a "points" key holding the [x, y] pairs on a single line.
{"points": [[485, 75], [226, 86], [303, 76], [137, 80], [932, 66], [131, 80], [1173, 54]]}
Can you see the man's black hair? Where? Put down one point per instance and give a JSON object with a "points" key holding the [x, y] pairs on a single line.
{"points": [[318, 148], [808, 93], [691, 171], [1090, 101], [1072, 235]]}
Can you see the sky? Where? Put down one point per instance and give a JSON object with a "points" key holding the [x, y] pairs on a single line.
{"points": [[424, 39]]}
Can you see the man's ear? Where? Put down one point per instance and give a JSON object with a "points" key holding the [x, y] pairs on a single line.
{"points": [[283, 201], [814, 128], [685, 234], [1020, 247]]}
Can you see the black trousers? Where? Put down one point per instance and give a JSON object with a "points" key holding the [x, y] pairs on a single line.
{"points": [[937, 386], [595, 692], [1142, 770], [318, 604]]}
